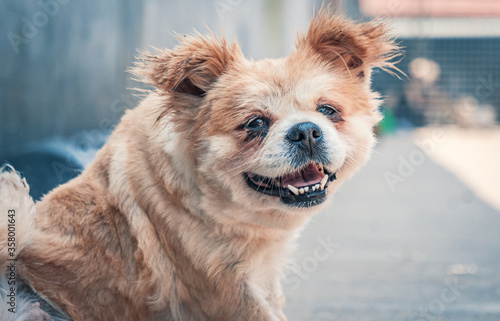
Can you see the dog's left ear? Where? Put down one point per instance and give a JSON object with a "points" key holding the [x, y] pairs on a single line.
{"points": [[353, 47], [191, 68]]}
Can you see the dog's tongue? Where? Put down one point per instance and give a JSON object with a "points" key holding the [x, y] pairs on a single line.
{"points": [[307, 176]]}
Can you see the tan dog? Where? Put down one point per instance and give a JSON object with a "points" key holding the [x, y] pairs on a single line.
{"points": [[187, 213]]}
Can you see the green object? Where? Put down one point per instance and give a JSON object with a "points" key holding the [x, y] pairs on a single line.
{"points": [[388, 124]]}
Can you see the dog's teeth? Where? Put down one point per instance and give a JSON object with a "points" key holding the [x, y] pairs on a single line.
{"points": [[301, 191], [323, 182], [306, 189], [293, 189]]}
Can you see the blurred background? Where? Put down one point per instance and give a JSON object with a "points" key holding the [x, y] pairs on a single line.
{"points": [[414, 236]]}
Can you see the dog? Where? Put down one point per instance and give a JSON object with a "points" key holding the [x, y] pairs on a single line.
{"points": [[189, 210]]}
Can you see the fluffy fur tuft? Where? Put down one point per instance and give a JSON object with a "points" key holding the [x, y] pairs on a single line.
{"points": [[14, 195]]}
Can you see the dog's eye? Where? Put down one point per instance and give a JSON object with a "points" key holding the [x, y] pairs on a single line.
{"points": [[326, 110], [256, 127], [256, 123], [330, 111]]}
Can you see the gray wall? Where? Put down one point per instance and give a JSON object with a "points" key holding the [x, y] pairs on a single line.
{"points": [[63, 62]]}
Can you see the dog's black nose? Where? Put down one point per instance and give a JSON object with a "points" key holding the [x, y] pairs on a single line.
{"points": [[306, 135]]}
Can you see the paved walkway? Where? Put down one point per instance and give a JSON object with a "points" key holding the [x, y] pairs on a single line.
{"points": [[404, 240], [473, 155]]}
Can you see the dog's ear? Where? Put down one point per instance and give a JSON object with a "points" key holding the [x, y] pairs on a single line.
{"points": [[191, 68], [354, 47]]}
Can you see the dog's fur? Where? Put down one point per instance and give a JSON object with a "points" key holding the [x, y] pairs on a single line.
{"points": [[162, 225]]}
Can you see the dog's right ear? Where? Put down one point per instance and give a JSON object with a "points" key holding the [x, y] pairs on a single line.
{"points": [[355, 48], [191, 68]]}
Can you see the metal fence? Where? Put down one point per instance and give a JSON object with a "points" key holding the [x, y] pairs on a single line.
{"points": [[450, 81]]}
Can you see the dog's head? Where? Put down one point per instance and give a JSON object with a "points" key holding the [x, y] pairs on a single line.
{"points": [[275, 136]]}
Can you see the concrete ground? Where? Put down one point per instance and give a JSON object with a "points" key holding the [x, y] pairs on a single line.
{"points": [[405, 240], [473, 155]]}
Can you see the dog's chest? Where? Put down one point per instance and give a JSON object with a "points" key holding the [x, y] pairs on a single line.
{"points": [[266, 268]]}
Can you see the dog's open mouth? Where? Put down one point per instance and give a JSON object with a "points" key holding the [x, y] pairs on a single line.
{"points": [[303, 188]]}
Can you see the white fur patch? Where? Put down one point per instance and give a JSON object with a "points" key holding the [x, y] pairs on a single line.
{"points": [[15, 199]]}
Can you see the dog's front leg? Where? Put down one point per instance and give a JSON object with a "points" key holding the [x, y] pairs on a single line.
{"points": [[228, 301], [277, 302], [247, 308]]}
